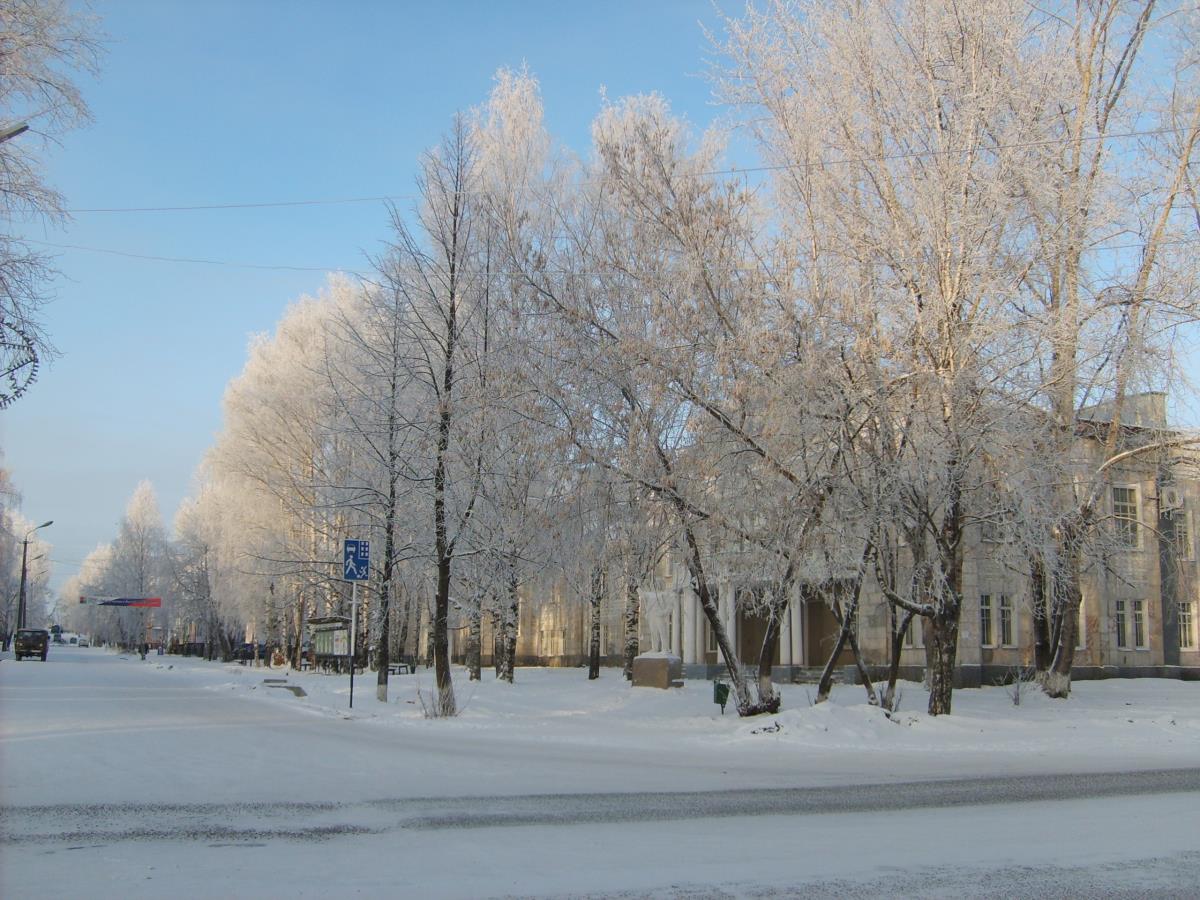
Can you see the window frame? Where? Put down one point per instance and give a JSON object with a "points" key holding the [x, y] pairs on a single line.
{"points": [[1183, 550], [1141, 635], [914, 635], [1121, 624], [986, 630], [1135, 531], [1186, 616], [1007, 612]]}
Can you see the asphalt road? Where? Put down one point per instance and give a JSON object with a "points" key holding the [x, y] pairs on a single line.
{"points": [[70, 824], [233, 827]]}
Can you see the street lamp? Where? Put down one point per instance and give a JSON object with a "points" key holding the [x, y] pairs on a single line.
{"points": [[24, 567], [12, 131]]}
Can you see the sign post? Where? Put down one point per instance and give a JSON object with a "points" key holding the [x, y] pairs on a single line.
{"points": [[356, 567]]}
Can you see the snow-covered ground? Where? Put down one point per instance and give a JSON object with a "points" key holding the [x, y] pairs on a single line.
{"points": [[179, 777]]}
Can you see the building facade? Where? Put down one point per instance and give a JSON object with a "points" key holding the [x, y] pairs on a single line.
{"points": [[1140, 613]]}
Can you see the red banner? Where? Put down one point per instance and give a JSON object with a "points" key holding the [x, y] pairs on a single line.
{"points": [[143, 602]]}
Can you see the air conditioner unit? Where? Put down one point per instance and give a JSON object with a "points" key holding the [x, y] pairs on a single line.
{"points": [[1170, 497]]}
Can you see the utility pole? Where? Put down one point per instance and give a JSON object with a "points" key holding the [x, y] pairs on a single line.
{"points": [[24, 568]]}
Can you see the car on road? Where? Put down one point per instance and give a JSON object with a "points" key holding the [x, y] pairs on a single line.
{"points": [[83, 642], [31, 642]]}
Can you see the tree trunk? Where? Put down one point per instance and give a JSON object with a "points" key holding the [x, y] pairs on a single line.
{"points": [[895, 650], [298, 646], [409, 612], [441, 641], [741, 691], [767, 694], [825, 683], [509, 637], [498, 640], [474, 642], [1067, 597], [943, 649], [387, 570], [1042, 652], [872, 697], [633, 604], [594, 642]]}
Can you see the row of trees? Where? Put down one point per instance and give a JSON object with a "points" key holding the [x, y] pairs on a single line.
{"points": [[15, 529], [974, 222]]}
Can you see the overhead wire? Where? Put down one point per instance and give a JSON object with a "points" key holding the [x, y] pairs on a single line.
{"points": [[737, 170], [493, 273]]}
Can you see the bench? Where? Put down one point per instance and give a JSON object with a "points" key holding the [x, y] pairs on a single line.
{"points": [[400, 668]]}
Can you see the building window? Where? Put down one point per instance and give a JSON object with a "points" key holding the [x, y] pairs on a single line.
{"points": [[710, 638], [1006, 621], [985, 620], [1182, 522], [1080, 623], [998, 529], [1125, 516], [1139, 624], [914, 634], [1187, 635], [1119, 625]]}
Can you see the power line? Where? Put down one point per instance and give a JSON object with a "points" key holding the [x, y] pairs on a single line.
{"points": [[195, 260], [248, 205], [388, 198], [493, 273]]}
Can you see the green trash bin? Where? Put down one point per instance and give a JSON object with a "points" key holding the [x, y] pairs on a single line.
{"points": [[721, 694]]}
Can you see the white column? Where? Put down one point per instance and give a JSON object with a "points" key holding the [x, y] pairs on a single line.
{"points": [[700, 620], [728, 613], [688, 606], [677, 627], [796, 614], [785, 638]]}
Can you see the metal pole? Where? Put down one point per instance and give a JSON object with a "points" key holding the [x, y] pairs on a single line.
{"points": [[353, 631], [24, 563], [21, 595]]}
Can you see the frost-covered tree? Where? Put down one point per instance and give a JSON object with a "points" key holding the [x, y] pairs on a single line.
{"points": [[44, 45], [1110, 200], [276, 466], [200, 612], [435, 270], [134, 566], [370, 370]]}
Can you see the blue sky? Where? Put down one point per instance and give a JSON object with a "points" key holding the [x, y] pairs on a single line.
{"points": [[265, 101]]}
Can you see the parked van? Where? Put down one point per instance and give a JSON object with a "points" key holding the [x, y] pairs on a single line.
{"points": [[31, 642]]}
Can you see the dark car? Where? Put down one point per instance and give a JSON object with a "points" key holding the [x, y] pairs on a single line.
{"points": [[31, 642]]}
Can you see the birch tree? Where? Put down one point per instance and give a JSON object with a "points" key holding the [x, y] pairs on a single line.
{"points": [[434, 267], [276, 462], [45, 46]]}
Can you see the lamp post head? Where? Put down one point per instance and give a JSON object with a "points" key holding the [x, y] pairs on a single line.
{"points": [[43, 525], [12, 131]]}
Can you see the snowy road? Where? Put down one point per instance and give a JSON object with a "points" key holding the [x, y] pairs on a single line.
{"points": [[130, 779]]}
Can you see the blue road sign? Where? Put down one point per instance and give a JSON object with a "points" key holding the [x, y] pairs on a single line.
{"points": [[356, 560]]}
